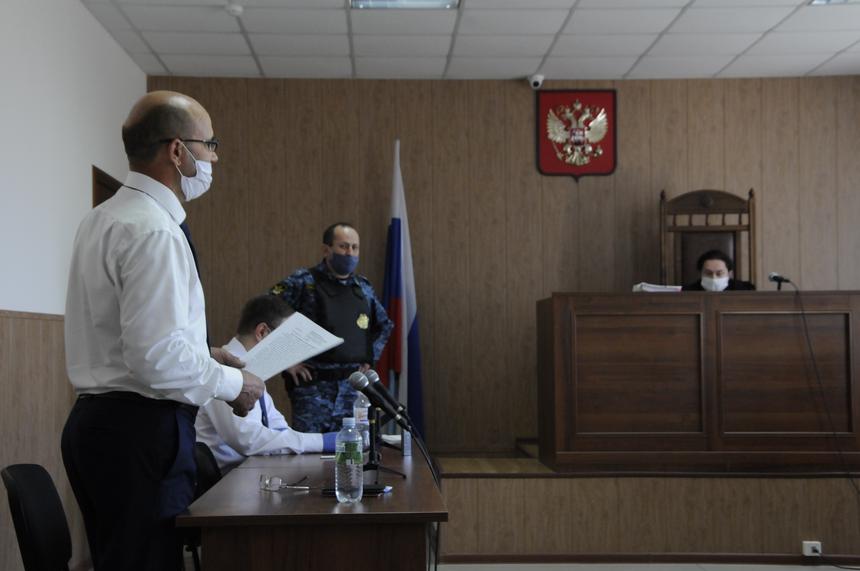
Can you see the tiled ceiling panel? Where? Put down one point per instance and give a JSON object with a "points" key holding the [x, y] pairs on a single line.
{"points": [[486, 39]]}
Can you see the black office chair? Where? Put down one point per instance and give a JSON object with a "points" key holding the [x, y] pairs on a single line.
{"points": [[208, 475], [40, 522], [208, 472]]}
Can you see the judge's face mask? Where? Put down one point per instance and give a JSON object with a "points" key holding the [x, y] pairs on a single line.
{"points": [[715, 284]]}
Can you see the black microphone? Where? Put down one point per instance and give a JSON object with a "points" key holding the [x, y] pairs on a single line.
{"points": [[775, 277], [360, 383], [373, 377]]}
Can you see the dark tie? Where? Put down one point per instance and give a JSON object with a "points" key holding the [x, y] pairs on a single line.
{"points": [[187, 232], [263, 411]]}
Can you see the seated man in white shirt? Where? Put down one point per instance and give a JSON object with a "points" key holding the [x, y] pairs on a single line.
{"points": [[265, 430]]}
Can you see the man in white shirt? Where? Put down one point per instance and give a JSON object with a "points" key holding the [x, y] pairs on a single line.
{"points": [[136, 349], [265, 430]]}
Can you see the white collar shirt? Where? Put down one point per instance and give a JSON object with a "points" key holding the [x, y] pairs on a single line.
{"points": [[135, 314], [232, 438]]}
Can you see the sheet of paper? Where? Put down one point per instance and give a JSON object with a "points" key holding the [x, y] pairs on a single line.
{"points": [[646, 287], [294, 341]]}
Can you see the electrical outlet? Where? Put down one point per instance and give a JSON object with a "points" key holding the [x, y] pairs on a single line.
{"points": [[811, 548]]}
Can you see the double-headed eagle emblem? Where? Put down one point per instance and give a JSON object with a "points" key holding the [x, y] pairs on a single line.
{"points": [[575, 131]]}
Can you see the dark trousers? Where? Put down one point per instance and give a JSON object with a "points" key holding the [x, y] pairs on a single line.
{"points": [[130, 462]]}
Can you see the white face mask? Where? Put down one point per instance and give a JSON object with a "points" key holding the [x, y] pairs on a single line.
{"points": [[715, 284], [197, 185]]}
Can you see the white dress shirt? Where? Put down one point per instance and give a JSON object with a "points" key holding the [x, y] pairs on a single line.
{"points": [[232, 438], [135, 315]]}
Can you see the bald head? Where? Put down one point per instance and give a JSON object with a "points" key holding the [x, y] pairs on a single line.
{"points": [[159, 116]]}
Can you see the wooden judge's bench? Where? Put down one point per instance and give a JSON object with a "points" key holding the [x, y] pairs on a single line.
{"points": [[699, 382]]}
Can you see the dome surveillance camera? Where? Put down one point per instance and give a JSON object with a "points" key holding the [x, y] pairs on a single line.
{"points": [[536, 81]]}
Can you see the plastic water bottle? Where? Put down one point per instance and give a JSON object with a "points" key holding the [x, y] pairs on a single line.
{"points": [[349, 465], [360, 408]]}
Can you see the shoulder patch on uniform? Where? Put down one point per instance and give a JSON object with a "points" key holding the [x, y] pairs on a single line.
{"points": [[278, 289]]}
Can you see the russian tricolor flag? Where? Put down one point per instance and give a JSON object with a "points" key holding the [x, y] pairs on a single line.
{"points": [[401, 359]]}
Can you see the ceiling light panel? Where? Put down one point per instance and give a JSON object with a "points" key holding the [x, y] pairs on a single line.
{"points": [[404, 4], [403, 22]]}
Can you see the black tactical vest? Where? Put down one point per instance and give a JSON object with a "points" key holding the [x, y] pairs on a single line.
{"points": [[344, 311]]}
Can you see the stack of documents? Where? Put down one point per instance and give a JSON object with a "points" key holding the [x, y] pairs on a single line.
{"points": [[646, 287]]}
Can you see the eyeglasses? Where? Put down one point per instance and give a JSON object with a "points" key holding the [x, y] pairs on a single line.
{"points": [[211, 144], [275, 483]]}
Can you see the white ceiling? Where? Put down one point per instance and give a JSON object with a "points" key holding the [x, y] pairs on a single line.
{"points": [[488, 39]]}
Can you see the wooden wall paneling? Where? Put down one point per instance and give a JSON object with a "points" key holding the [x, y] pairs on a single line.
{"points": [[488, 265], [816, 123], [502, 502], [783, 507], [342, 157], [297, 236], [10, 556], [742, 143], [559, 218], [669, 145], [848, 180], [306, 160], [450, 318], [744, 132], [706, 134], [637, 206], [413, 99], [522, 239], [669, 138], [642, 501], [228, 244], [376, 134], [832, 511], [780, 228], [649, 516], [269, 230], [460, 533], [37, 397], [714, 515], [596, 224], [578, 515]]}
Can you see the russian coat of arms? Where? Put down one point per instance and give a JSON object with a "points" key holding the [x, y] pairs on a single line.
{"points": [[576, 132]]}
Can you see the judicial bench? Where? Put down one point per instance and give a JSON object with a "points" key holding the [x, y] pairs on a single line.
{"points": [[243, 527], [676, 427], [699, 381]]}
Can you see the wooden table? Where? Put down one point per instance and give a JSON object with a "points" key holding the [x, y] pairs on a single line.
{"points": [[248, 529]]}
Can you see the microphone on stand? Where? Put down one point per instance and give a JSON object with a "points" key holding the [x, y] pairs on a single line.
{"points": [[360, 382], [778, 280], [373, 377]]}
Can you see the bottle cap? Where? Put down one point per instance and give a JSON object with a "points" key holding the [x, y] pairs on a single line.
{"points": [[349, 422]]}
